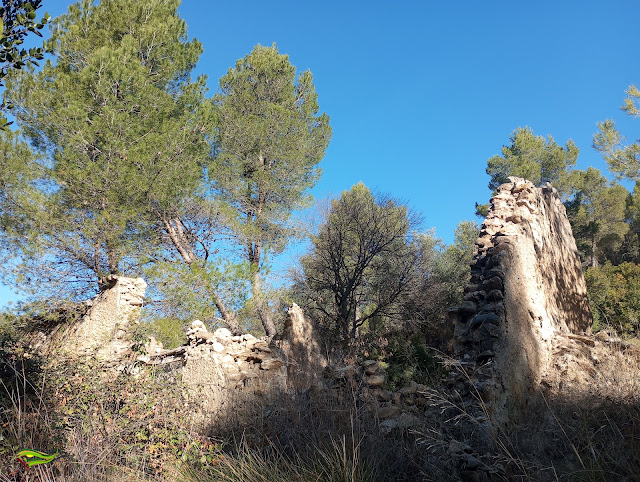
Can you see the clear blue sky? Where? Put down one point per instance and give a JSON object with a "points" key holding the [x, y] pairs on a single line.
{"points": [[422, 93]]}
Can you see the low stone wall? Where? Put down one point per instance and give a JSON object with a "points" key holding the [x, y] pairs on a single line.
{"points": [[229, 379]]}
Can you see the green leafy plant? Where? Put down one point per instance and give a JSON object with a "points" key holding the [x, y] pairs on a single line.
{"points": [[614, 295]]}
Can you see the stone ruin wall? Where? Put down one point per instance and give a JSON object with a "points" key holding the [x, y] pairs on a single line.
{"points": [[225, 376], [526, 288], [237, 381], [105, 329]]}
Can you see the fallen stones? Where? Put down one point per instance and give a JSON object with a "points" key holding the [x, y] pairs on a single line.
{"points": [[389, 411], [371, 367], [375, 380]]}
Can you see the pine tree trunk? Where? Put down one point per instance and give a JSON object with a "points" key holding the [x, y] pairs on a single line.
{"points": [[594, 260], [261, 307], [174, 229], [228, 316]]}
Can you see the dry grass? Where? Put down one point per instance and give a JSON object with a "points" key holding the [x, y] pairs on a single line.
{"points": [[110, 428]]}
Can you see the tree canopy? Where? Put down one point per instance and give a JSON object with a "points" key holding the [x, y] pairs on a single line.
{"points": [[269, 139], [623, 158], [597, 214], [362, 262], [534, 158], [17, 20], [119, 133]]}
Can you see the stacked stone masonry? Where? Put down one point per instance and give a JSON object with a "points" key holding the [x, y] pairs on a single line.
{"points": [[526, 287], [224, 375], [105, 329]]}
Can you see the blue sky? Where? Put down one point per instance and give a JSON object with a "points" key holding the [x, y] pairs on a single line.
{"points": [[422, 93]]}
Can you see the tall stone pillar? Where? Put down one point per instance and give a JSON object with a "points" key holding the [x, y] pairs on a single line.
{"points": [[526, 286]]}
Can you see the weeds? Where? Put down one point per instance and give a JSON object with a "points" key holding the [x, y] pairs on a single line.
{"points": [[109, 426]]}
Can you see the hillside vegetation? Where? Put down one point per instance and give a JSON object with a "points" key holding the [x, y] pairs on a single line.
{"points": [[120, 163]]}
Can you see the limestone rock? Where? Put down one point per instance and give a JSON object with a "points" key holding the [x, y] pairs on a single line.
{"points": [[344, 372], [375, 380], [388, 412], [222, 333], [153, 346], [218, 347], [409, 389], [403, 421], [371, 367], [271, 364]]}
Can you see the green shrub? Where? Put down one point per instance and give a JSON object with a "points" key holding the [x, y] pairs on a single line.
{"points": [[171, 332], [405, 360], [614, 296]]}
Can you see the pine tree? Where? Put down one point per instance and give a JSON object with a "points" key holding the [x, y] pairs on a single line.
{"points": [[534, 158], [118, 130], [17, 20], [597, 214], [270, 139], [623, 158]]}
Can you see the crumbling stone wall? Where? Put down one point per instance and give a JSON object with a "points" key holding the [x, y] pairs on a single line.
{"points": [[526, 287], [302, 351], [104, 331], [230, 380]]}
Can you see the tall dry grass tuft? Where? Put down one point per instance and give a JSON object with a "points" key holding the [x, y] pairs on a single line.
{"points": [[25, 418], [340, 461]]}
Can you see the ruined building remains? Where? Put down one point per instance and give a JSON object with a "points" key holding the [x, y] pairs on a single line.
{"points": [[105, 328], [526, 289]]}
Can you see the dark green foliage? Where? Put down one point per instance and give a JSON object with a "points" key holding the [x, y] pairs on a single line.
{"points": [[482, 210], [534, 158], [119, 132], [443, 272], [452, 267], [407, 360], [269, 141], [171, 332], [623, 158], [17, 20], [597, 214], [614, 295], [631, 247], [362, 261]]}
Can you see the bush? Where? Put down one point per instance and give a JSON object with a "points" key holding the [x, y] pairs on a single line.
{"points": [[102, 423], [614, 296], [171, 332], [405, 360]]}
